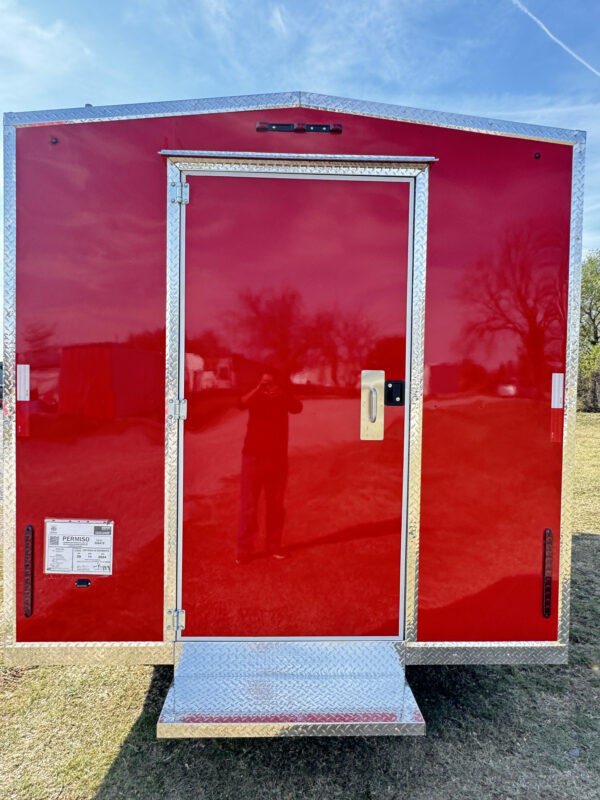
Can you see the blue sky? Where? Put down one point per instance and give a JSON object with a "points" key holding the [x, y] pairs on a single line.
{"points": [[482, 57]]}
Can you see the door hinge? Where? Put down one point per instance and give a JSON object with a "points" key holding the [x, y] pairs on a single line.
{"points": [[176, 617], [177, 409], [179, 192]]}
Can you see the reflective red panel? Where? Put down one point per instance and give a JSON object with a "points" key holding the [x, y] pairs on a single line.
{"points": [[90, 442], [311, 256], [292, 524]]}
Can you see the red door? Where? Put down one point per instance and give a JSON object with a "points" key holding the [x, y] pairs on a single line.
{"points": [[291, 523]]}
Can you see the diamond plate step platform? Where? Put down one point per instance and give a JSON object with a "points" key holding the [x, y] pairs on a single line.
{"points": [[297, 688]]}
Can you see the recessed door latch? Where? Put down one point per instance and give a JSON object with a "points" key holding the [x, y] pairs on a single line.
{"points": [[394, 393]]}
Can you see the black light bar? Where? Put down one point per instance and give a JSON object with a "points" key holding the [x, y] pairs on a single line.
{"points": [[297, 127]]}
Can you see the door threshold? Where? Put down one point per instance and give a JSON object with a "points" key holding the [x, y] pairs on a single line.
{"points": [[185, 639], [293, 688]]}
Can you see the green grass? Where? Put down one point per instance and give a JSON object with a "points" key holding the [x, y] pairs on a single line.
{"points": [[71, 733], [587, 481]]}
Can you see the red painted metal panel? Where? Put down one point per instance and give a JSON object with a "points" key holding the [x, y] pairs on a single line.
{"points": [[90, 242], [495, 331], [292, 287], [90, 311]]}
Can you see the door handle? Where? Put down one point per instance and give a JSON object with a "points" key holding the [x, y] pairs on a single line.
{"points": [[373, 404], [372, 383]]}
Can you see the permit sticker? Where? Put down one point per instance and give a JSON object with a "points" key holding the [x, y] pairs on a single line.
{"points": [[78, 546]]}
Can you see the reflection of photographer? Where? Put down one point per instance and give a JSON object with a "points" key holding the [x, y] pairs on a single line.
{"points": [[264, 461], [267, 386]]}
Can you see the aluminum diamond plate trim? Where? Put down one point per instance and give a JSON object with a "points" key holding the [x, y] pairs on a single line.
{"points": [[183, 154], [173, 427], [267, 164], [570, 404], [431, 653], [301, 658], [88, 654], [169, 108], [362, 167], [322, 102], [9, 394], [256, 730], [351, 688], [440, 119], [416, 405]]}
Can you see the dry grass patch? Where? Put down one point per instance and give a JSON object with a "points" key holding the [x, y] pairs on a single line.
{"points": [[587, 474]]}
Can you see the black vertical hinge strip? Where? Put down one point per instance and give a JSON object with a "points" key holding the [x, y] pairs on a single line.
{"points": [[547, 584], [28, 572]]}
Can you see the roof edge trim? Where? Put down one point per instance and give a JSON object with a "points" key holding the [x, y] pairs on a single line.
{"points": [[259, 102]]}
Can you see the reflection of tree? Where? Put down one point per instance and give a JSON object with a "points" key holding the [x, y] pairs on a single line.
{"points": [[356, 336], [518, 291], [340, 341], [273, 325], [322, 338], [208, 344], [276, 327]]}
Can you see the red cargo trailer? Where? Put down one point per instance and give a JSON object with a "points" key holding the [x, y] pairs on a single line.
{"points": [[334, 436]]}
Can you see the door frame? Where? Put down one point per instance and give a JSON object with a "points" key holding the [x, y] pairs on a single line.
{"points": [[410, 169]]}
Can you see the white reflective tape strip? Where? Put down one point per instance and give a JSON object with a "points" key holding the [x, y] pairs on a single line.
{"points": [[22, 381], [558, 389]]}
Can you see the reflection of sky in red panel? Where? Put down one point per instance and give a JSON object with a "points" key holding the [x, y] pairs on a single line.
{"points": [[481, 188], [466, 237], [284, 227]]}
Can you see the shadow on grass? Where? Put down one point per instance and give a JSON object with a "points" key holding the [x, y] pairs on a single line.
{"points": [[491, 731]]}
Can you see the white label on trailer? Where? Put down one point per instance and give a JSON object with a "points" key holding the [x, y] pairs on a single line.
{"points": [[22, 381], [558, 390], [79, 546]]}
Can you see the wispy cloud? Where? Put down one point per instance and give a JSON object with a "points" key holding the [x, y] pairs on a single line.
{"points": [[318, 45], [277, 21], [33, 56], [554, 38]]}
